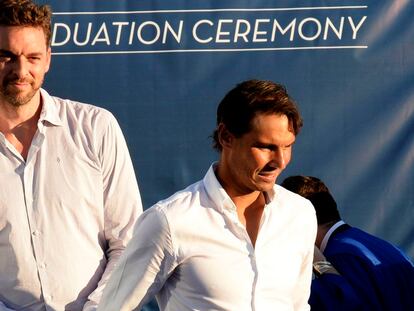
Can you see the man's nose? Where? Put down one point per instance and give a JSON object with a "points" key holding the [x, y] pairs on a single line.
{"points": [[279, 159], [20, 67]]}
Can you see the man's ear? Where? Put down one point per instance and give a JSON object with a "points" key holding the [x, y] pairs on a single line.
{"points": [[224, 136]]}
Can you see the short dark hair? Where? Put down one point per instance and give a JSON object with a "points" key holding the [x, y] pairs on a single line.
{"points": [[317, 192], [249, 98], [26, 13]]}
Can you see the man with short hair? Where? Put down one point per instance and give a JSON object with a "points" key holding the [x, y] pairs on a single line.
{"points": [[234, 240], [380, 273], [68, 192]]}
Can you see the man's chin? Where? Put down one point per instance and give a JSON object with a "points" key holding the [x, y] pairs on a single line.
{"points": [[265, 186], [18, 100]]}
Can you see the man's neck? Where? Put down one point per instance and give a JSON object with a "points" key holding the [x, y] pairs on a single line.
{"points": [[249, 206], [249, 211], [19, 124], [12, 116]]}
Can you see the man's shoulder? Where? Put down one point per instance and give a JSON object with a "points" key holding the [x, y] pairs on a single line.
{"points": [[182, 199], [293, 207], [284, 196], [353, 235], [80, 109], [76, 110], [359, 239]]}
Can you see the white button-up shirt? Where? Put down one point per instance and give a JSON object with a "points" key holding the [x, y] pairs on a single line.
{"points": [[192, 252], [67, 212]]}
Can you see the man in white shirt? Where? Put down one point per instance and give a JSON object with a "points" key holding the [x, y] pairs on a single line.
{"points": [[68, 192], [234, 240]]}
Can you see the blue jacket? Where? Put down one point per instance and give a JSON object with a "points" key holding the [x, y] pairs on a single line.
{"points": [[331, 292], [379, 272]]}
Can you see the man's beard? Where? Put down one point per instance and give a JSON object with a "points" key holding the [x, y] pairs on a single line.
{"points": [[17, 98]]}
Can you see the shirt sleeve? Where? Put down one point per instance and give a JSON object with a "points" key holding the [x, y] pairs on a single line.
{"points": [[305, 278], [121, 199], [144, 267]]}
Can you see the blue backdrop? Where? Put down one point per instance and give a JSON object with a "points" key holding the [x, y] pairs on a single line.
{"points": [[162, 67]]}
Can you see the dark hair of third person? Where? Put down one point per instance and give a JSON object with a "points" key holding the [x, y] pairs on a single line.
{"points": [[317, 192]]}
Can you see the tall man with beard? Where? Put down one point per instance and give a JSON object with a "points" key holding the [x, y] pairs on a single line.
{"points": [[68, 192], [234, 240]]}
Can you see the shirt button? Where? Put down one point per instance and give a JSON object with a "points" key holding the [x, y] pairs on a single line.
{"points": [[36, 233]]}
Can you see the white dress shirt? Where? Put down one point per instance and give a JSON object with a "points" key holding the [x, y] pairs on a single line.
{"points": [[67, 212], [193, 253]]}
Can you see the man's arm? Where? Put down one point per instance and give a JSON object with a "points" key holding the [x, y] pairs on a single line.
{"points": [[121, 197], [305, 277], [304, 284], [143, 268]]}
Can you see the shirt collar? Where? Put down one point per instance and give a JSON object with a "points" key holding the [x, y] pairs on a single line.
{"points": [[49, 111], [219, 196], [216, 192], [329, 233]]}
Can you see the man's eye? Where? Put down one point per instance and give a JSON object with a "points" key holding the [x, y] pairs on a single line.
{"points": [[4, 59], [265, 147]]}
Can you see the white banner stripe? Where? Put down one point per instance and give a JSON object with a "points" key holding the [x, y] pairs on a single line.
{"points": [[216, 50], [217, 10]]}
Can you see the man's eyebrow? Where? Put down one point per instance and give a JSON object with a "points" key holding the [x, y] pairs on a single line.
{"points": [[6, 52], [35, 54]]}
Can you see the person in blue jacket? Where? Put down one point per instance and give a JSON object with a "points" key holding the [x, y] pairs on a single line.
{"points": [[330, 290], [380, 273]]}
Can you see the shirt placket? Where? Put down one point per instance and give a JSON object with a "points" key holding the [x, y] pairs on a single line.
{"points": [[32, 210], [240, 231], [258, 254]]}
